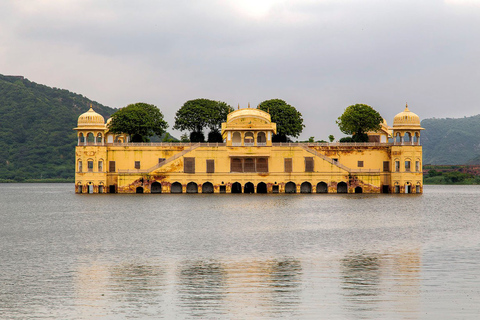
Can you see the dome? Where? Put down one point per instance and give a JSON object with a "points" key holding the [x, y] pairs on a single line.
{"points": [[91, 118], [406, 119], [249, 113]]}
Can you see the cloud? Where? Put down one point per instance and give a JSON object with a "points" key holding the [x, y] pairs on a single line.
{"points": [[319, 56]]}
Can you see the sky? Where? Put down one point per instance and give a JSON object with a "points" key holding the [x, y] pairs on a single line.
{"points": [[320, 56]]}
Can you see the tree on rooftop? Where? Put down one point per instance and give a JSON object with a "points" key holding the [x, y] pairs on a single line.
{"points": [[289, 121], [196, 115], [139, 120], [357, 120]]}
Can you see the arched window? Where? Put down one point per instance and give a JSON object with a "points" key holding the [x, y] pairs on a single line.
{"points": [[261, 139], [100, 165], [407, 137], [398, 138], [81, 138], [207, 187], [90, 138], [156, 187], [290, 187], [80, 168], [176, 187], [416, 138], [342, 187], [192, 187], [249, 139], [322, 187], [99, 138], [306, 187], [237, 139]]}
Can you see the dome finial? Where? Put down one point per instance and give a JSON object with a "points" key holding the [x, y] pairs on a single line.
{"points": [[238, 107], [406, 106], [249, 105]]}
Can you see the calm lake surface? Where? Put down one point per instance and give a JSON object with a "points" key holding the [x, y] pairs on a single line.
{"points": [[68, 256]]}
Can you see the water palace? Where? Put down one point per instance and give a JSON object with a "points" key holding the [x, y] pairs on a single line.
{"points": [[248, 162]]}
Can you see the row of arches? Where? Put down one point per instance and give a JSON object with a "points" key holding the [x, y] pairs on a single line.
{"points": [[249, 187], [249, 138], [407, 138], [91, 139]]}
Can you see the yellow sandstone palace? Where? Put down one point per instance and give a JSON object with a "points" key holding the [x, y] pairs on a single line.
{"points": [[248, 161]]}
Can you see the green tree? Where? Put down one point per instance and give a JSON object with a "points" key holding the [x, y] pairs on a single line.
{"points": [[139, 120], [331, 138], [196, 115], [289, 121], [357, 120]]}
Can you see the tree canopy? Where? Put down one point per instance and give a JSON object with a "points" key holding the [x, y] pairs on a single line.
{"points": [[139, 120], [196, 115], [289, 121], [357, 120]]}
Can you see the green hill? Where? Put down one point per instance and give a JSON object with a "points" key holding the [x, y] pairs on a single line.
{"points": [[451, 141], [36, 136]]}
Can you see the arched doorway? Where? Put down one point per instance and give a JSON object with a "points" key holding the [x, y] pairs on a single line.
{"points": [[261, 187], [358, 190], [261, 139], [192, 187], [290, 187], [342, 187], [176, 187], [236, 188], [139, 190], [249, 188], [237, 139], [156, 187], [207, 187], [322, 187], [306, 187]]}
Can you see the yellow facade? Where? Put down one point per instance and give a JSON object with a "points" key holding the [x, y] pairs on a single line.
{"points": [[248, 161]]}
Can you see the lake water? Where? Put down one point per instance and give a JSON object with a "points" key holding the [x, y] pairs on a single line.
{"points": [[68, 256]]}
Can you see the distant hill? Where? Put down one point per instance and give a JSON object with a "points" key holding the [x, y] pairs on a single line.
{"points": [[36, 136], [451, 141]]}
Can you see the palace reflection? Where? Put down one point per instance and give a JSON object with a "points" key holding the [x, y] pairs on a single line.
{"points": [[373, 281]]}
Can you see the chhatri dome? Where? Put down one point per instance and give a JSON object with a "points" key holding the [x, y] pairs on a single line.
{"points": [[406, 119], [249, 113], [91, 119]]}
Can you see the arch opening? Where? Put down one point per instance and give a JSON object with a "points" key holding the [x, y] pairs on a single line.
{"points": [[358, 190], [192, 187], [322, 187], [262, 187], [342, 187], [290, 187], [306, 187], [249, 188], [236, 188], [156, 187], [207, 187], [176, 187], [139, 190]]}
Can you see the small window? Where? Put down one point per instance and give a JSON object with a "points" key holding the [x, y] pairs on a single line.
{"points": [[137, 164], [100, 189], [80, 168], [236, 165], [160, 160], [210, 166], [100, 166], [99, 138], [90, 166], [288, 164], [335, 159], [386, 166], [111, 166], [397, 166], [360, 164], [249, 165], [417, 166], [407, 165], [308, 164], [262, 165], [189, 165]]}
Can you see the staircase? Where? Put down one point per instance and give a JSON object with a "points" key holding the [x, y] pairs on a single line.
{"points": [[173, 158], [324, 157]]}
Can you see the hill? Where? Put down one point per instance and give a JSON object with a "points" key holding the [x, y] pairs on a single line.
{"points": [[36, 136], [451, 141]]}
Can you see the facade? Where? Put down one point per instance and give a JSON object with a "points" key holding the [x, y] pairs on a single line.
{"points": [[248, 161]]}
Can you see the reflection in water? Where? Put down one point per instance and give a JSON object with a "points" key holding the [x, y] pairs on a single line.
{"points": [[256, 288], [372, 282], [361, 278], [126, 289], [202, 288]]}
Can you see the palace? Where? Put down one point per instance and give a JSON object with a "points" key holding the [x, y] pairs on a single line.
{"points": [[248, 161]]}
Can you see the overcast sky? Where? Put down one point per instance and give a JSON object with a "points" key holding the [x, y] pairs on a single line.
{"points": [[318, 55]]}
